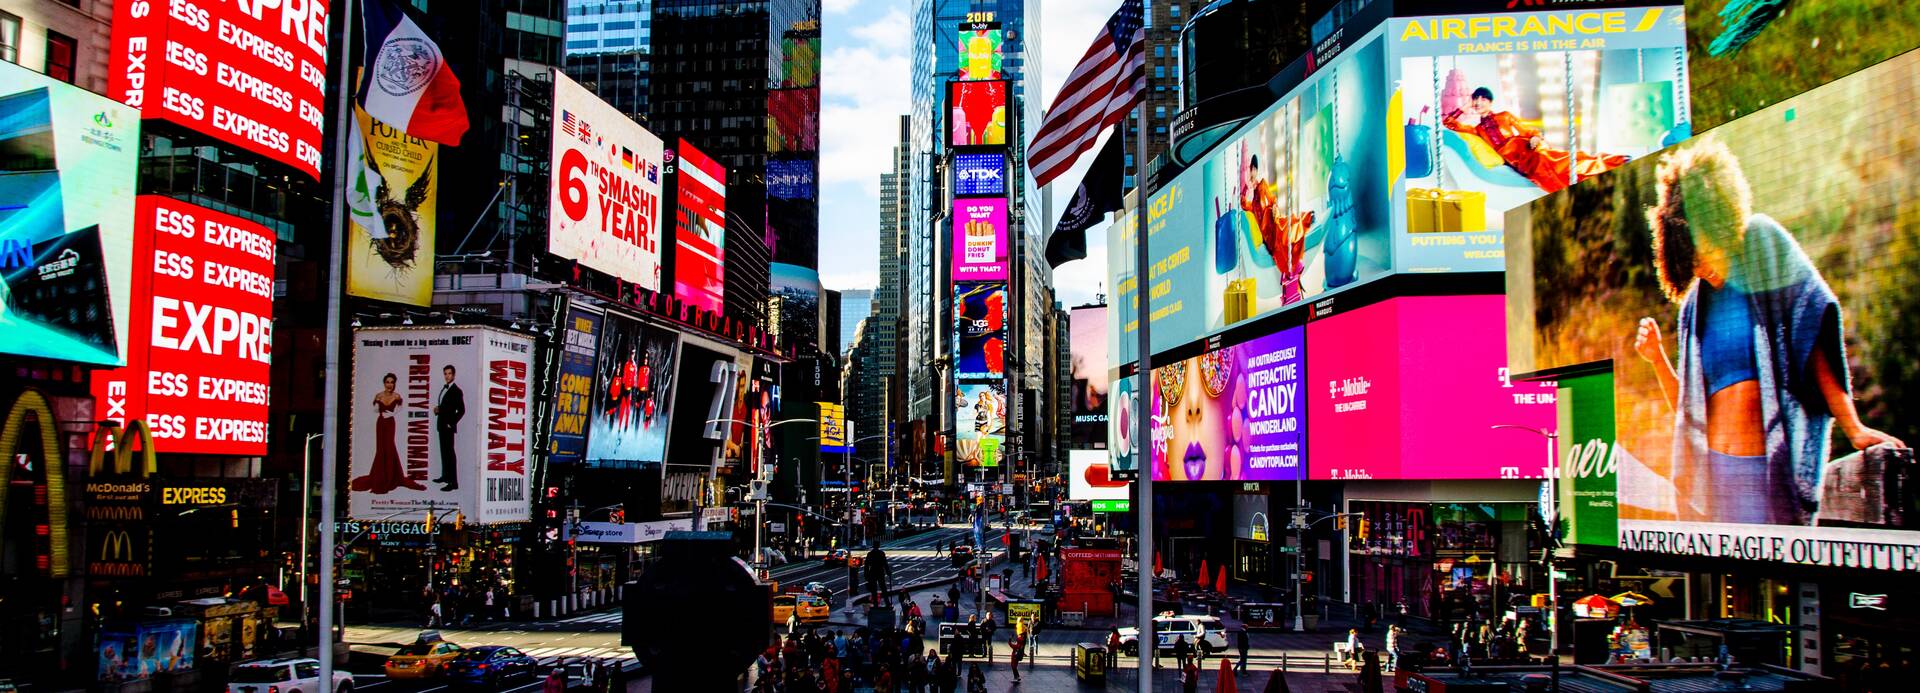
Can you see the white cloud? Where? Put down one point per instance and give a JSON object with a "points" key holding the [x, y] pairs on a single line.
{"points": [[842, 281], [889, 33], [1067, 28], [839, 6], [865, 91]]}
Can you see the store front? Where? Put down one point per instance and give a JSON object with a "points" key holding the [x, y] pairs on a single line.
{"points": [[1870, 632], [1440, 561]]}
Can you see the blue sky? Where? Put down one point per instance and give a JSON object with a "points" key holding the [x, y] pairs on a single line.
{"points": [[864, 84]]}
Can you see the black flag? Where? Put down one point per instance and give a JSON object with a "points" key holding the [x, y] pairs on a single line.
{"points": [[1098, 194]]}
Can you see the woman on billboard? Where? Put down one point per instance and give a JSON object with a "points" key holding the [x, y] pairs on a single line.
{"points": [[386, 473], [1762, 376], [1523, 146]]}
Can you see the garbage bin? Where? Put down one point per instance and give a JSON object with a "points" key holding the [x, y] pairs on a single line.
{"points": [[880, 617], [952, 639], [1090, 662]]}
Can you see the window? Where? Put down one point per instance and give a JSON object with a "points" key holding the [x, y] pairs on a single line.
{"points": [[9, 38], [306, 670], [1160, 72], [1160, 51], [60, 50]]}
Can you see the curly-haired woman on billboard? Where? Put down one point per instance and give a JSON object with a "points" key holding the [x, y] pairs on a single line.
{"points": [[1761, 376]]}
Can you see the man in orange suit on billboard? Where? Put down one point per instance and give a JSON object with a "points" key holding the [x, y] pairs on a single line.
{"points": [[1522, 146]]}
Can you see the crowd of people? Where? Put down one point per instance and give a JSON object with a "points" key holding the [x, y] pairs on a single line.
{"points": [[886, 660]]}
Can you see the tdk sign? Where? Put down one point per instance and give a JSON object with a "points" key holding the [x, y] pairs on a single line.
{"points": [[979, 174]]}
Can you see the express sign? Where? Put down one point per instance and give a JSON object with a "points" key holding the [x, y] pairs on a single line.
{"points": [[201, 338], [250, 72]]}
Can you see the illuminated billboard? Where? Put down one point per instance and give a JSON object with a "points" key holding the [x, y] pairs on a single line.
{"points": [[1235, 413], [979, 51], [67, 222], [631, 387], [790, 179], [250, 74], [979, 174], [1090, 478], [700, 229], [793, 120], [398, 266], [573, 392], [605, 196], [1754, 292], [980, 411], [977, 113], [200, 352], [980, 329], [1743, 57], [980, 239], [1088, 329]]}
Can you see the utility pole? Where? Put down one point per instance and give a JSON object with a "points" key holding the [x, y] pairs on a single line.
{"points": [[330, 406]]}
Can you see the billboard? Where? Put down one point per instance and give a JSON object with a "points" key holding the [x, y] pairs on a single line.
{"points": [[980, 420], [1588, 459], [799, 59], [1492, 112], [1122, 427], [798, 289], [1754, 290], [440, 423], [833, 428], [978, 113], [980, 239], [250, 74], [573, 394], [791, 179], [705, 392], [1235, 413], [979, 174], [633, 382], [200, 348], [1291, 208], [1412, 387], [606, 187], [979, 51], [700, 230], [66, 220], [1741, 61], [1089, 477], [980, 329], [398, 266], [1087, 327], [793, 120]]}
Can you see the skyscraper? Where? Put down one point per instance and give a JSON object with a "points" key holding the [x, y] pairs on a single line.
{"points": [[608, 43]]}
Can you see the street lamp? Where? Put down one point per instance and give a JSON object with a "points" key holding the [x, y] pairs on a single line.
{"points": [[306, 515], [1552, 517], [760, 471], [1300, 524]]}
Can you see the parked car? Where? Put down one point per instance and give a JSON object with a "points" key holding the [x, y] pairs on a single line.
{"points": [[1202, 631], [422, 660], [490, 665], [290, 675]]}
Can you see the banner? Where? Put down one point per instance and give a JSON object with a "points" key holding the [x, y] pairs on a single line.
{"points": [[979, 51], [633, 386], [573, 394], [978, 113], [399, 266], [979, 174], [605, 197], [199, 360], [705, 395], [440, 423]]}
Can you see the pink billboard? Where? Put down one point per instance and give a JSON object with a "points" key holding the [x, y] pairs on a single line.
{"points": [[1231, 414], [980, 239], [1411, 388]]}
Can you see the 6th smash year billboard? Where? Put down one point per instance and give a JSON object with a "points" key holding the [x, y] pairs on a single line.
{"points": [[1755, 292]]}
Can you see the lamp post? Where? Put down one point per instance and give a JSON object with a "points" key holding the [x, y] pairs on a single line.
{"points": [[1300, 524], [1551, 514], [760, 471], [306, 515]]}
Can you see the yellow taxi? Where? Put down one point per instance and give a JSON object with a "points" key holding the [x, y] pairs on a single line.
{"points": [[812, 609], [421, 660], [782, 608]]}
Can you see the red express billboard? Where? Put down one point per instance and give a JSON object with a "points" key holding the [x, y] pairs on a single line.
{"points": [[201, 338], [250, 73], [700, 230]]}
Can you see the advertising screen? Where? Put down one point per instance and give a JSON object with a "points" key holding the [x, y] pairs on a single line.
{"points": [[1754, 290], [1291, 208], [440, 423], [977, 113], [980, 239], [793, 120], [1412, 389], [1742, 60], [200, 348], [979, 51], [398, 266], [66, 220], [790, 179], [700, 230], [1088, 332], [798, 289], [799, 59], [1588, 460], [1122, 428], [1494, 111], [251, 74], [1232, 414], [1089, 477], [573, 395], [981, 421], [606, 187], [632, 384], [833, 428], [979, 174], [980, 328], [706, 391]]}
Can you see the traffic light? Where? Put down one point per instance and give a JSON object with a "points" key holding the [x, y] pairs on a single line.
{"points": [[459, 521], [428, 522], [1365, 529]]}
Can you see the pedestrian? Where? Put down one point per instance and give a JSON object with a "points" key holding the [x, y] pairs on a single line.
{"points": [[1245, 641], [1113, 648], [556, 681], [1393, 648], [976, 680], [990, 627], [953, 595], [793, 622], [1182, 652], [1190, 678], [434, 613], [1015, 648]]}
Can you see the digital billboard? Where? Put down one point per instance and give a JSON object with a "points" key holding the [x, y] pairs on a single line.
{"points": [[798, 289], [397, 266], [633, 383], [1755, 294], [1087, 327], [1293, 207], [833, 428], [793, 120], [700, 229], [1411, 388], [1122, 427], [606, 187], [1743, 58], [200, 348], [977, 113], [1235, 413], [979, 174], [1089, 477], [704, 393], [573, 394], [980, 329], [979, 51], [980, 420], [1494, 111], [799, 59], [250, 74], [440, 423], [980, 239], [791, 179]]}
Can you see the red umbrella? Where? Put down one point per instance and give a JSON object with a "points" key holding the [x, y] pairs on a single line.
{"points": [[1203, 573], [1156, 564], [1220, 585], [1226, 684]]}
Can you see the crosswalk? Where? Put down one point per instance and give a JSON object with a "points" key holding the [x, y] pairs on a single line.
{"points": [[608, 617], [551, 655]]}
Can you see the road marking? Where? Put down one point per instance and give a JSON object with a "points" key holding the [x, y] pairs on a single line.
{"points": [[614, 617]]}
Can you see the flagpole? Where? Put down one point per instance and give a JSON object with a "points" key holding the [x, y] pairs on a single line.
{"points": [[329, 414], [1147, 643]]}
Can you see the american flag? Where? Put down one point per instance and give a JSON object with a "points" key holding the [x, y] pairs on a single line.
{"points": [[1102, 88]]}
